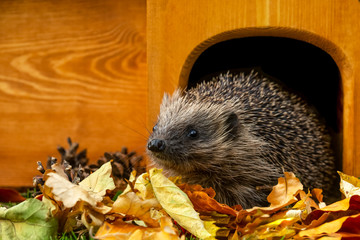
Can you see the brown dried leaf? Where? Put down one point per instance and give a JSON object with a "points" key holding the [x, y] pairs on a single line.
{"points": [[282, 195], [285, 191], [203, 200]]}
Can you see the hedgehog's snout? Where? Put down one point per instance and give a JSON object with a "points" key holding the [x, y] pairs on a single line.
{"points": [[156, 145]]}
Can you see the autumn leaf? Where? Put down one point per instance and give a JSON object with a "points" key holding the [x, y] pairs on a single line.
{"points": [[67, 200], [285, 191], [203, 199], [268, 225], [120, 230], [91, 189], [317, 221], [69, 193], [177, 204], [132, 205], [282, 195], [317, 193], [141, 185], [30, 219], [350, 224], [10, 195], [217, 224], [274, 221], [59, 169], [347, 206], [349, 185], [352, 203], [99, 181]]}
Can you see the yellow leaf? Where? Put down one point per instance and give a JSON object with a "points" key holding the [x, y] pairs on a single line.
{"points": [[141, 184], [341, 205], [177, 204], [330, 238], [132, 179], [131, 204], [287, 232], [144, 187], [99, 181], [349, 185], [215, 230]]}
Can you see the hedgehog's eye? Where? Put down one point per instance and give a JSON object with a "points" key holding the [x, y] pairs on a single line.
{"points": [[155, 127], [192, 133]]}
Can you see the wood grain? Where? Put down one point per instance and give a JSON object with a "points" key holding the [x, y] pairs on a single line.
{"points": [[69, 68], [179, 31]]}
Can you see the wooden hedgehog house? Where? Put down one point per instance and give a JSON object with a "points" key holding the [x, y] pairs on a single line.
{"points": [[313, 46], [93, 70]]}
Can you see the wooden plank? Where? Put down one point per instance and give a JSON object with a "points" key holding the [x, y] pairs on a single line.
{"points": [[69, 68], [179, 31]]}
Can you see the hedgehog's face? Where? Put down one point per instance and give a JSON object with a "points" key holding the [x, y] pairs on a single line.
{"points": [[188, 134]]}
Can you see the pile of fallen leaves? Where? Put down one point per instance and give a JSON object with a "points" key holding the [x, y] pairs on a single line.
{"points": [[155, 207]]}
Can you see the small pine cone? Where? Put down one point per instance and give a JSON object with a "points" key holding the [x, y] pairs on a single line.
{"points": [[71, 156], [123, 164], [70, 165], [76, 160]]}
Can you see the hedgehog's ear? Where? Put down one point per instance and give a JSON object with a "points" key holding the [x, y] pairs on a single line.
{"points": [[232, 126]]}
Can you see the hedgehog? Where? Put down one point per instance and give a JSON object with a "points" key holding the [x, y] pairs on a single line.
{"points": [[237, 134]]}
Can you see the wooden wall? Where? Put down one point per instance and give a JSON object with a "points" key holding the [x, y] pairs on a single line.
{"points": [[72, 68]]}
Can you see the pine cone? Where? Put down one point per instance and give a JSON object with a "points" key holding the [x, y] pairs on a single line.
{"points": [[122, 165], [75, 165], [70, 155]]}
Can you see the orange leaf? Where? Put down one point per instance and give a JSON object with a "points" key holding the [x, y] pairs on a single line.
{"points": [[203, 200], [282, 195], [317, 193], [117, 230], [285, 190], [120, 230]]}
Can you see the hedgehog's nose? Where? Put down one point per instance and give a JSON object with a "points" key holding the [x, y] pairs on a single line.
{"points": [[156, 145]]}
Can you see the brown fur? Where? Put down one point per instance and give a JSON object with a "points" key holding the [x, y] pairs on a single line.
{"points": [[249, 129]]}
